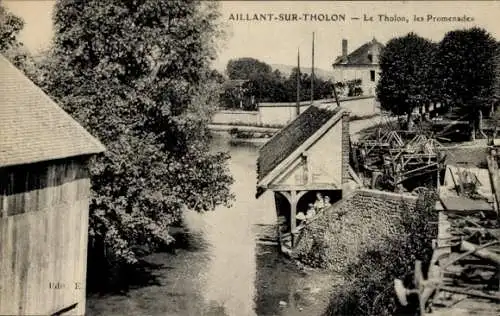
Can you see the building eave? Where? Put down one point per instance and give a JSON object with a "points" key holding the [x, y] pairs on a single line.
{"points": [[263, 184]]}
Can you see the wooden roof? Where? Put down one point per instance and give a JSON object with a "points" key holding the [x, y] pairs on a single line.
{"points": [[360, 55], [288, 140], [34, 128]]}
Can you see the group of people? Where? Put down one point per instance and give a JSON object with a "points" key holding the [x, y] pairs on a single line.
{"points": [[320, 203]]}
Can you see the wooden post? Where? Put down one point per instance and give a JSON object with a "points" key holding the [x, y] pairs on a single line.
{"points": [[293, 214]]}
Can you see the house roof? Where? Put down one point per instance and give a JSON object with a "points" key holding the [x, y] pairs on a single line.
{"points": [[34, 128], [360, 55], [292, 136]]}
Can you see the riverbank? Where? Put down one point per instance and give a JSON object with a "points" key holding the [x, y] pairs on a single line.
{"points": [[370, 238], [221, 267], [174, 285]]}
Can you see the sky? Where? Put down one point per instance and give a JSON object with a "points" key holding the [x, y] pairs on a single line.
{"points": [[277, 42]]}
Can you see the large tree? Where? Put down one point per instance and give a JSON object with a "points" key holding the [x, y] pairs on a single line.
{"points": [[405, 65], [10, 26], [136, 75], [246, 68], [465, 70], [10, 46]]}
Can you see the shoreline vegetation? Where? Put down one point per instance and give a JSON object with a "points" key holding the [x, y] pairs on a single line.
{"points": [[368, 260]]}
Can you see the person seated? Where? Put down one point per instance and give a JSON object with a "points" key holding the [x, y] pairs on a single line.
{"points": [[319, 204], [327, 201], [300, 216], [310, 212]]}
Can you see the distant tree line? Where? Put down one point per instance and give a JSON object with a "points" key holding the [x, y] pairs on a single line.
{"points": [[251, 81], [458, 73]]}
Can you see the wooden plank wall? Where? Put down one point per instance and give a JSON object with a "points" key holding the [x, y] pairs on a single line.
{"points": [[43, 238]]}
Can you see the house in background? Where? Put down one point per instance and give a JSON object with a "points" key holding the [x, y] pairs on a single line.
{"points": [[44, 201], [362, 63]]}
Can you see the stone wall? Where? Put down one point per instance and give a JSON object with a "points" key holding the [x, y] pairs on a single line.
{"points": [[359, 222], [283, 113], [236, 117]]}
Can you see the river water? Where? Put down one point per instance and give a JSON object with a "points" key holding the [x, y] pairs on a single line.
{"points": [[222, 269]]}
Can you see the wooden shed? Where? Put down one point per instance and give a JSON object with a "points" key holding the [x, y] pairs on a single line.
{"points": [[44, 201], [308, 156]]}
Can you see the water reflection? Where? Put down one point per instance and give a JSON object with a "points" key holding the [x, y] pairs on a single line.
{"points": [[220, 270]]}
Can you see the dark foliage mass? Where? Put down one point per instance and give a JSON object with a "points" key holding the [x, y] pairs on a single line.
{"points": [[10, 27], [465, 68], [458, 72], [368, 289], [246, 68], [257, 82], [405, 71], [136, 75]]}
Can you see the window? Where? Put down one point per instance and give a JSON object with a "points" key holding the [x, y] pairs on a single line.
{"points": [[370, 58], [372, 75]]}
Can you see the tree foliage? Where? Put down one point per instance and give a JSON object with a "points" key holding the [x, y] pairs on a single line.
{"points": [[10, 26], [465, 69], [458, 73], [405, 72], [10, 46], [265, 85], [246, 67], [136, 75]]}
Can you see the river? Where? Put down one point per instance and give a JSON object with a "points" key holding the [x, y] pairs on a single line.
{"points": [[221, 269]]}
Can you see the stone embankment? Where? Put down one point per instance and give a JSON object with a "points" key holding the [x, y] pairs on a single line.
{"points": [[357, 223]]}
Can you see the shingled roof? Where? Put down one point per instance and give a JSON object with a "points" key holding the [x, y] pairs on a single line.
{"points": [[360, 55], [292, 136], [34, 128]]}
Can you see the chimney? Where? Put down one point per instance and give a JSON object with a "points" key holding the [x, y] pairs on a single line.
{"points": [[344, 48]]}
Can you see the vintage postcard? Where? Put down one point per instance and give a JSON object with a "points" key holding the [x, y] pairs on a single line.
{"points": [[244, 158]]}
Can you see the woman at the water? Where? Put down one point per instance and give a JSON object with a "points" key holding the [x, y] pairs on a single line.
{"points": [[320, 203]]}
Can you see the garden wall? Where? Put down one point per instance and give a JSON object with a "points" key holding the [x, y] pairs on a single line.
{"points": [[280, 114], [236, 117]]}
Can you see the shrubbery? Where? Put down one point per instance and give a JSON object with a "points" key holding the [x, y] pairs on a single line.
{"points": [[369, 282], [370, 250]]}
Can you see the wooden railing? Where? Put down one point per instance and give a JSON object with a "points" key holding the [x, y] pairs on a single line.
{"points": [[494, 180]]}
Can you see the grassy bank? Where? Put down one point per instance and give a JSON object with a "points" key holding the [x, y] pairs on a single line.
{"points": [[369, 249]]}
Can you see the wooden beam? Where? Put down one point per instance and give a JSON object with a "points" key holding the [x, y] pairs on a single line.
{"points": [[309, 187], [287, 196], [300, 194], [494, 179], [293, 214]]}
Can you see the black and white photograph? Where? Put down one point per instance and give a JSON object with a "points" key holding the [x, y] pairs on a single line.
{"points": [[249, 158]]}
